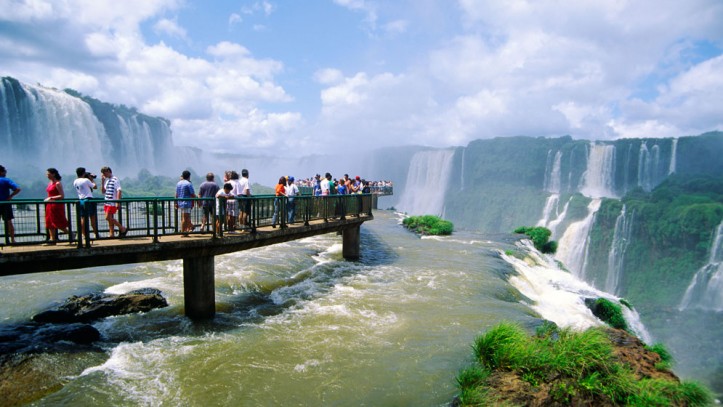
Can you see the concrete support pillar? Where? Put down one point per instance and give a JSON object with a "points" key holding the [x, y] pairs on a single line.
{"points": [[199, 292], [351, 242], [375, 201]]}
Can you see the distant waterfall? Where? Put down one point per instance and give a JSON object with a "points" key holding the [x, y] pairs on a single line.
{"points": [[599, 176], [648, 166], [66, 130], [616, 256], [573, 245], [551, 204], [673, 157], [50, 126], [553, 179], [706, 289], [553, 224], [461, 170], [552, 184], [427, 180]]}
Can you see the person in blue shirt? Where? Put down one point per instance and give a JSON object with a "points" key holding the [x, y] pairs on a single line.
{"points": [[6, 210], [184, 189]]}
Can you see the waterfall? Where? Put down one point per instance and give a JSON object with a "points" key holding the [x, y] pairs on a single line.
{"points": [[648, 166], [706, 288], [65, 130], [616, 256], [553, 177], [673, 157], [559, 296], [551, 184], [51, 126], [551, 203], [461, 170], [599, 175], [552, 225], [573, 245], [427, 181]]}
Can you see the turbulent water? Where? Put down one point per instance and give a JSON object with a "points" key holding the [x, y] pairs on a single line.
{"points": [[299, 325], [296, 324]]}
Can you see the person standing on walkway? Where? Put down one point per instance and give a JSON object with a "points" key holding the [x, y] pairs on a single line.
{"points": [[84, 186], [245, 210], [184, 189], [279, 192], [55, 213], [111, 188], [208, 189], [6, 210], [291, 192]]}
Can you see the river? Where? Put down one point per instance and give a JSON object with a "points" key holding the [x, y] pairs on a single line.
{"points": [[296, 323]]}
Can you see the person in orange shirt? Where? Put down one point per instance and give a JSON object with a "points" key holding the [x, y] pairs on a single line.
{"points": [[280, 191]]}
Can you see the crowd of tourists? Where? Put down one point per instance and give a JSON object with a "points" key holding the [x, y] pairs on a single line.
{"points": [[233, 213]]}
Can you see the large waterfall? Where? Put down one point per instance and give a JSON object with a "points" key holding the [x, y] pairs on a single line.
{"points": [[62, 129], [597, 183], [426, 185], [706, 289]]}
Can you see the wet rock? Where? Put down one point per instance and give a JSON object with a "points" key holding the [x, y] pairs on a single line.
{"points": [[95, 306]]}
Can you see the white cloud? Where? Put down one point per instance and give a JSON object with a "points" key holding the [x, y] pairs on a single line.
{"points": [[543, 67], [170, 28]]}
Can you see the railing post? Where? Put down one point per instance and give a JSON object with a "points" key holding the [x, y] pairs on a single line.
{"points": [[155, 220]]}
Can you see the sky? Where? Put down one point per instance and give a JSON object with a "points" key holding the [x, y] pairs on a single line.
{"points": [[292, 77]]}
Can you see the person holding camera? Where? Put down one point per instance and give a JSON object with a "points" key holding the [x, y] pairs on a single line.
{"points": [[84, 186]]}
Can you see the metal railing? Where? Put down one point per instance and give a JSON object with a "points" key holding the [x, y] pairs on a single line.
{"points": [[156, 217]]}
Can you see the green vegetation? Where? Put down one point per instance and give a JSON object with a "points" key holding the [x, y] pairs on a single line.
{"points": [[562, 367], [666, 359], [608, 312], [428, 225], [540, 238]]}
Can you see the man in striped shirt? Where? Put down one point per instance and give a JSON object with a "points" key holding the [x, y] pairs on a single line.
{"points": [[111, 188]]}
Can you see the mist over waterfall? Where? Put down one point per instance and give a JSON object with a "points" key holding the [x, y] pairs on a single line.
{"points": [[426, 186], [706, 289]]}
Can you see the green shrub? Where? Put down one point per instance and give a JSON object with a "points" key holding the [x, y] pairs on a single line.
{"points": [[428, 225], [608, 312], [539, 236]]}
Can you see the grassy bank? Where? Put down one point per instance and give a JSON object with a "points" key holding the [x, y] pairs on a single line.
{"points": [[600, 367]]}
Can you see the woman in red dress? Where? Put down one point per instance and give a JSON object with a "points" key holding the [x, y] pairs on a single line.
{"points": [[55, 213]]}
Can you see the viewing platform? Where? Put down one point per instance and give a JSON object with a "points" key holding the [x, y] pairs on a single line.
{"points": [[154, 234]]}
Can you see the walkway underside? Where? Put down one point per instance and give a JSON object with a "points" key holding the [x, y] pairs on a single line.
{"points": [[33, 259]]}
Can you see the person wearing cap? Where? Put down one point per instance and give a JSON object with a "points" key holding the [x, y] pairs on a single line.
{"points": [[291, 192], [356, 186]]}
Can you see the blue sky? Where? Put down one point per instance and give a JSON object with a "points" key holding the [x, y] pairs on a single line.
{"points": [[300, 77]]}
